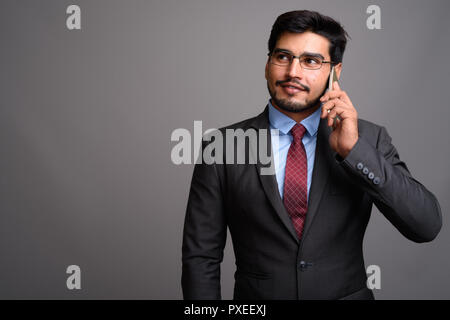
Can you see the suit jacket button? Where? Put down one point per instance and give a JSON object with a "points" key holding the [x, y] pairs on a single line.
{"points": [[376, 180], [370, 175], [304, 265], [359, 166], [365, 170]]}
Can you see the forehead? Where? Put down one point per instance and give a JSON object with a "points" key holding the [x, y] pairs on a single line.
{"points": [[306, 41]]}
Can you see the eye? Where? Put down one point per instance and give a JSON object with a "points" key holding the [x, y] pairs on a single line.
{"points": [[311, 61], [282, 56]]}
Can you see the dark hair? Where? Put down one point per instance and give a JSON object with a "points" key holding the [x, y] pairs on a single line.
{"points": [[303, 20]]}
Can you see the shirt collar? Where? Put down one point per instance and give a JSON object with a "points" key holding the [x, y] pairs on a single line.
{"points": [[282, 122]]}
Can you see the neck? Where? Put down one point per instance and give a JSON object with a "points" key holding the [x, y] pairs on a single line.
{"points": [[297, 116]]}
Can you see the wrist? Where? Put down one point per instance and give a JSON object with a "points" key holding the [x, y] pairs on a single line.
{"points": [[346, 150]]}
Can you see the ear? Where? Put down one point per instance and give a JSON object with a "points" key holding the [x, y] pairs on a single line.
{"points": [[267, 70], [338, 69]]}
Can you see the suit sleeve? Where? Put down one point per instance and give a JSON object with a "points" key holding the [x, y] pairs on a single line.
{"points": [[403, 200], [204, 235]]}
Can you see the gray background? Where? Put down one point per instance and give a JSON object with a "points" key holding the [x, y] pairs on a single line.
{"points": [[86, 119]]}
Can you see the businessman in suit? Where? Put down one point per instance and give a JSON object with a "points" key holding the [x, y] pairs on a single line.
{"points": [[298, 233]]}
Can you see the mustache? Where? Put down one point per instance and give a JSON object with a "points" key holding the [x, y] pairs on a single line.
{"points": [[280, 82]]}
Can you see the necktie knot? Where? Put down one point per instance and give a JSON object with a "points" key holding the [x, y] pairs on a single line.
{"points": [[298, 131]]}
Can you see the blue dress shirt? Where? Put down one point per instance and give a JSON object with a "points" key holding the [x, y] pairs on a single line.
{"points": [[284, 124]]}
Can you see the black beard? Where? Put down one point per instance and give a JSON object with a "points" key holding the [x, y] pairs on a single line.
{"points": [[289, 106]]}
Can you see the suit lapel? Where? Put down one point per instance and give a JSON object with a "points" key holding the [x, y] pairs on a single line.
{"points": [[322, 163], [269, 181], [323, 155]]}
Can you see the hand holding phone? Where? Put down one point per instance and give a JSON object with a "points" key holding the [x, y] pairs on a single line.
{"points": [[341, 115]]}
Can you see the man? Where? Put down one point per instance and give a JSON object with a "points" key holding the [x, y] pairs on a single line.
{"points": [[298, 233]]}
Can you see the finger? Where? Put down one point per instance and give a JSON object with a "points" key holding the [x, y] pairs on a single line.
{"points": [[325, 97], [341, 95], [333, 116], [337, 113], [333, 94], [336, 93], [326, 107], [336, 123], [339, 110]]}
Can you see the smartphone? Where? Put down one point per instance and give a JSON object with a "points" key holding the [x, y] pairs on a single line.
{"points": [[331, 79]]}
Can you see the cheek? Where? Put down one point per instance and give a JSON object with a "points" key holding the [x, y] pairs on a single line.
{"points": [[314, 79], [274, 75], [271, 79], [316, 82]]}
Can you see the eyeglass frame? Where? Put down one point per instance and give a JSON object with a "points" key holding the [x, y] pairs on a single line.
{"points": [[298, 57]]}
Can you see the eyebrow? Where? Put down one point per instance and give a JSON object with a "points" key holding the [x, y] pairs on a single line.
{"points": [[306, 53]]}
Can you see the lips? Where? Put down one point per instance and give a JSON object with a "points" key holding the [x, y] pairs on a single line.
{"points": [[291, 88], [294, 86]]}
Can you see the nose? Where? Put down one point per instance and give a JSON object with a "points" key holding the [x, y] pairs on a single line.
{"points": [[295, 70]]}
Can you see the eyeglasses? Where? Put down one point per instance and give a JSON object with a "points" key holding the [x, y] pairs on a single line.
{"points": [[285, 58]]}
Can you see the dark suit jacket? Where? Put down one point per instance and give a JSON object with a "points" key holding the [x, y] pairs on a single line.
{"points": [[272, 263]]}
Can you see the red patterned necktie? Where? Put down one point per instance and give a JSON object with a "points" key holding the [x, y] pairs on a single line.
{"points": [[295, 180]]}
